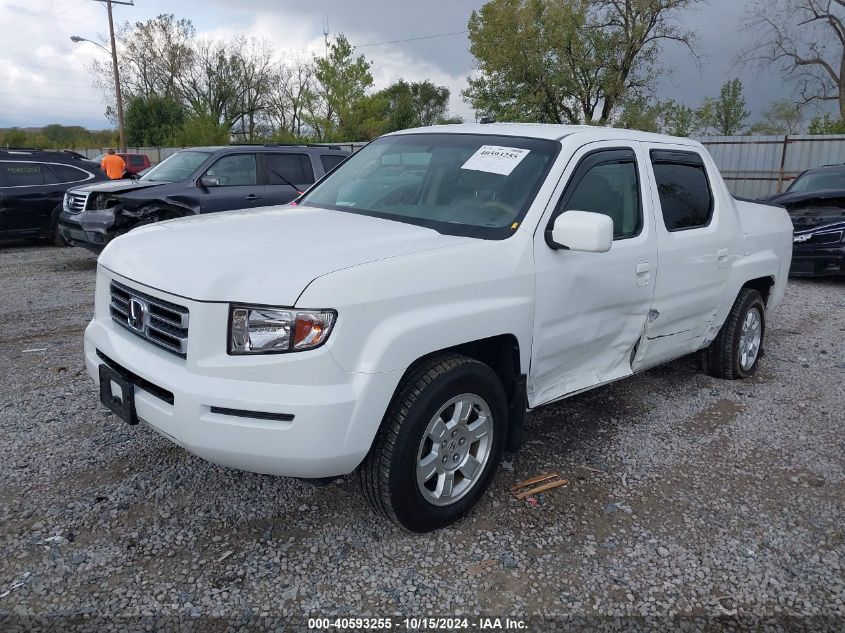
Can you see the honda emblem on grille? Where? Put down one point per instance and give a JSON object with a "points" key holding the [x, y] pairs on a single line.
{"points": [[137, 309]]}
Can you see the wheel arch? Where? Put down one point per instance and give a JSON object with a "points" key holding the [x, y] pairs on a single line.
{"points": [[502, 354]]}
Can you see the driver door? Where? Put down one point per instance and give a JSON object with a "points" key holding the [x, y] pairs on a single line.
{"points": [[591, 308]]}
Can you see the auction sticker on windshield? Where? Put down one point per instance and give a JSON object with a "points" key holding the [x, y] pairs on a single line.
{"points": [[495, 159]]}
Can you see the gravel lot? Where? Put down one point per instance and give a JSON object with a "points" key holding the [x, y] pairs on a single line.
{"points": [[714, 503]]}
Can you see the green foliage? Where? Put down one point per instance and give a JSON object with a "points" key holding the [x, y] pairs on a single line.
{"points": [[638, 113], [410, 105], [827, 125], [781, 117], [200, 131], [342, 84], [55, 136], [729, 110], [678, 119], [152, 121], [569, 61]]}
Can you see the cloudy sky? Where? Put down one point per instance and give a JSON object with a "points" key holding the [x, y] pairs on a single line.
{"points": [[43, 77]]}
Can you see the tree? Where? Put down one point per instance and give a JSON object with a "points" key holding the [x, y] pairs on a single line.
{"points": [[804, 39], [780, 117], [153, 120], [415, 104], [678, 119], [342, 82], [152, 55], [639, 113], [568, 61], [705, 116], [826, 125], [729, 108], [288, 97]]}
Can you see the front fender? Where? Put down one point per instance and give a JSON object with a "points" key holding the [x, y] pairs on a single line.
{"points": [[392, 312]]}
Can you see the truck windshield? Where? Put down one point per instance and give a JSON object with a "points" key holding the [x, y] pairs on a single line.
{"points": [[458, 184], [176, 167]]}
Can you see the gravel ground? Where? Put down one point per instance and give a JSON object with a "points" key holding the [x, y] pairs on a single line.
{"points": [[692, 501]]}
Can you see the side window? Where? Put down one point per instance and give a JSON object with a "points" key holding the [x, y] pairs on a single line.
{"points": [[607, 182], [234, 170], [22, 174], [66, 173], [685, 196], [293, 168], [136, 160], [330, 161]]}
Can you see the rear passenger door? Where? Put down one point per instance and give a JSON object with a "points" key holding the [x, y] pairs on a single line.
{"points": [[286, 176], [237, 184], [696, 238]]}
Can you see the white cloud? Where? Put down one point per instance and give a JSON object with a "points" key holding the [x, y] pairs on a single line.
{"points": [[43, 77]]}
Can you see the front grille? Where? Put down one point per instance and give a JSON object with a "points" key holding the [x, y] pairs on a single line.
{"points": [[826, 238], [75, 202], [160, 322]]}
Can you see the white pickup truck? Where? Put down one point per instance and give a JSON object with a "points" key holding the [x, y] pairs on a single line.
{"points": [[400, 319]]}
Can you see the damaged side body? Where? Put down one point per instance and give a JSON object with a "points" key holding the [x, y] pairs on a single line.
{"points": [[683, 249]]}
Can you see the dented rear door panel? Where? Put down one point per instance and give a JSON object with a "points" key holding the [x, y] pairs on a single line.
{"points": [[694, 269]]}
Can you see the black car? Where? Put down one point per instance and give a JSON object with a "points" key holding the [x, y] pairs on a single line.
{"points": [[32, 186], [816, 203], [194, 181]]}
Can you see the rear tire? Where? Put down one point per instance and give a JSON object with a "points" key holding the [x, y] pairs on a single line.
{"points": [[736, 351], [439, 445]]}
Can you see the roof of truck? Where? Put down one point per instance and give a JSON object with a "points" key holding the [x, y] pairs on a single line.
{"points": [[550, 131]]}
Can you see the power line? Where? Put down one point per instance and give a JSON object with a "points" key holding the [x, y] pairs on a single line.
{"points": [[33, 14], [413, 39]]}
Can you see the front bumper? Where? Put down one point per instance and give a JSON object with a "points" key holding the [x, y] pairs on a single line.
{"points": [[817, 261], [335, 413], [88, 229]]}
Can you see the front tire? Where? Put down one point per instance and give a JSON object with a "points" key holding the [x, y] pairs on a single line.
{"points": [[439, 445], [736, 351]]}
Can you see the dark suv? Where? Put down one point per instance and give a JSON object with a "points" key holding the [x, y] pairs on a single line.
{"points": [[32, 186], [194, 181], [816, 203]]}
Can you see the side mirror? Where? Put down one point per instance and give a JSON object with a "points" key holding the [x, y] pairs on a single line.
{"points": [[209, 181], [583, 231]]}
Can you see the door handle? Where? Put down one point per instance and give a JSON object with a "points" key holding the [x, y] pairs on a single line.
{"points": [[252, 196], [722, 258], [643, 273]]}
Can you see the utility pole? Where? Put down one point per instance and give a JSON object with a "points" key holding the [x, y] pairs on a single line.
{"points": [[326, 33], [117, 93]]}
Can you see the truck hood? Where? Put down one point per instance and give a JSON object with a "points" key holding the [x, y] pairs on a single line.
{"points": [[117, 186], [266, 256]]}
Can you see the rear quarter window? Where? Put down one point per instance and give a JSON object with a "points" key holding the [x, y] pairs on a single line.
{"points": [[686, 199], [330, 161], [21, 174], [66, 173]]}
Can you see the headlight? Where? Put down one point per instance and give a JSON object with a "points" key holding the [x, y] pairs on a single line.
{"points": [[259, 330]]}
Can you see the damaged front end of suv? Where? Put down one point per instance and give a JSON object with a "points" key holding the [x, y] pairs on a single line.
{"points": [[92, 217], [818, 247]]}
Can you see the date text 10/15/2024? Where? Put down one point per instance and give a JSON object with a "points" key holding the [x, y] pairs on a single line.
{"points": [[418, 624]]}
